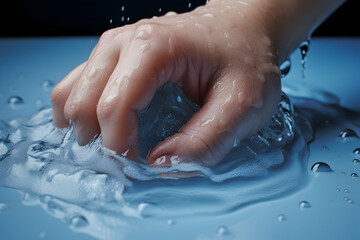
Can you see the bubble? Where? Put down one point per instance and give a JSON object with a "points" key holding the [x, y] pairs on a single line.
{"points": [[128, 19], [285, 67], [321, 167], [15, 102], [281, 218], [47, 84], [345, 133], [78, 222], [304, 205], [171, 222], [356, 161], [354, 175], [223, 231], [357, 150]]}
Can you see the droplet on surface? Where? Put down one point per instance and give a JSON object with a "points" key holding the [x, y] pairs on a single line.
{"points": [[285, 67], [345, 198], [356, 161], [47, 84], [15, 102], [171, 222], [223, 231], [321, 167], [338, 190], [345, 133], [304, 205], [350, 201], [281, 218], [354, 175], [346, 191], [357, 150], [78, 222], [3, 207]]}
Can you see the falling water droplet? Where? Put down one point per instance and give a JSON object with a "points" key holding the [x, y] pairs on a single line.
{"points": [[128, 19], [223, 231], [321, 167], [304, 205], [189, 5], [122, 8], [285, 67], [356, 161], [171, 222], [15, 102], [354, 175], [357, 150], [47, 84], [338, 190], [110, 21], [347, 133], [159, 9], [122, 18], [78, 222], [304, 49], [281, 218]]}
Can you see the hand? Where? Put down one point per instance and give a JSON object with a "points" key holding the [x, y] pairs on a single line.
{"points": [[221, 56]]}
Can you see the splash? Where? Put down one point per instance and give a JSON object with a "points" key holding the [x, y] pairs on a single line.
{"points": [[84, 185]]}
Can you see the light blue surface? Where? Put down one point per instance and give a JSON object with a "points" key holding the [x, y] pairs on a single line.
{"points": [[332, 65]]}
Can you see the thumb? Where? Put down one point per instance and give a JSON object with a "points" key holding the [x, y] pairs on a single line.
{"points": [[235, 107]]}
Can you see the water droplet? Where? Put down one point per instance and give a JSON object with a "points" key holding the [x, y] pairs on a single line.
{"points": [[128, 19], [122, 8], [78, 222], [15, 102], [189, 5], [356, 161], [350, 201], [345, 198], [223, 231], [3, 207], [354, 175], [338, 190], [347, 133], [357, 150], [47, 84], [110, 21], [171, 222], [122, 18], [304, 205], [304, 49], [321, 167], [285, 67], [159, 9], [346, 191], [281, 218]]}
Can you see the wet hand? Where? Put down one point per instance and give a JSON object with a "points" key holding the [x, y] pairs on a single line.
{"points": [[221, 56]]}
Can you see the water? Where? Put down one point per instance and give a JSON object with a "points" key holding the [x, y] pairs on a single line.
{"points": [[15, 102], [346, 133], [304, 49], [285, 68], [85, 185]]}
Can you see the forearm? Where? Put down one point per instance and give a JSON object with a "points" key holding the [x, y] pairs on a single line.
{"points": [[286, 22]]}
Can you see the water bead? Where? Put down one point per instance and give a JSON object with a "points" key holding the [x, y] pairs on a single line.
{"points": [[15, 102], [350, 201], [281, 218], [78, 222], [223, 231], [48, 84], [356, 161], [285, 68], [345, 133], [354, 175], [357, 151], [321, 167], [171, 222], [304, 205], [346, 191]]}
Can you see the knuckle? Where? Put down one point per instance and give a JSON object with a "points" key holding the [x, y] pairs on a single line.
{"points": [[73, 111], [106, 36], [58, 95], [104, 110]]}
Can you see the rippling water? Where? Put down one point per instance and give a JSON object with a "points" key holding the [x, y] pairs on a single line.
{"points": [[103, 194]]}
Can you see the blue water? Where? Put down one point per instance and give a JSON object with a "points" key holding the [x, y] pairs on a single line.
{"points": [[264, 189]]}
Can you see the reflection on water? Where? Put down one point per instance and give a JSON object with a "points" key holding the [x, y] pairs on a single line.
{"points": [[102, 194]]}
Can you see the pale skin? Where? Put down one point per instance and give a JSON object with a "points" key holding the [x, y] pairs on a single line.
{"points": [[224, 56]]}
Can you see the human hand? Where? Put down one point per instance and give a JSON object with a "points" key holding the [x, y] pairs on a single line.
{"points": [[221, 55]]}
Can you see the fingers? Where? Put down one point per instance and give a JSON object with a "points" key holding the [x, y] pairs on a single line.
{"points": [[144, 65], [60, 94], [234, 108], [80, 106]]}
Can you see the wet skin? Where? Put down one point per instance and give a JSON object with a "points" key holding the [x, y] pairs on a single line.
{"points": [[224, 56]]}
